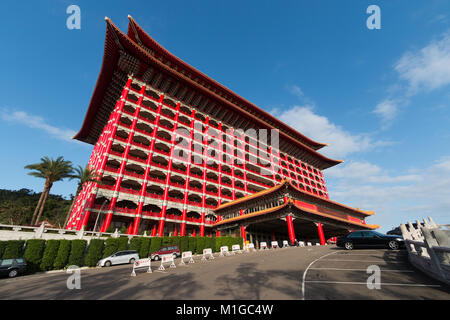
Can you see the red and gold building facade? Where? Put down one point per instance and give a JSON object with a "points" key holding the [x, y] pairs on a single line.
{"points": [[172, 145]]}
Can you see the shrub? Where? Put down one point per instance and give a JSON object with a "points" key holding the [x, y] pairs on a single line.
{"points": [[95, 251], [2, 248], [135, 244], [123, 230], [219, 241], [33, 254], [13, 249], [112, 245], [145, 247], [156, 244], [184, 244], [77, 253], [200, 245], [123, 244], [192, 244], [50, 252], [210, 243], [110, 229], [63, 254]]}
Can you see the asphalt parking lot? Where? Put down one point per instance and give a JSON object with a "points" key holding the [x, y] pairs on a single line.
{"points": [[282, 274]]}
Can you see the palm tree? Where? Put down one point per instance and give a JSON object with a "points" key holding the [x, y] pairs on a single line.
{"points": [[52, 171], [84, 176]]}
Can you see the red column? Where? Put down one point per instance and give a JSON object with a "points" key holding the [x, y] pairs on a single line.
{"points": [[273, 236], [169, 170], [194, 233], [188, 173], [219, 218], [122, 167], [175, 231], [321, 234], [154, 230], [205, 159], [241, 212], [130, 228], [290, 229]]}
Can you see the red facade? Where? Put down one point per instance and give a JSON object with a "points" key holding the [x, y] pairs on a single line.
{"points": [[171, 144]]}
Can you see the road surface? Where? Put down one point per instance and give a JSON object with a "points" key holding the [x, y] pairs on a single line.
{"points": [[307, 273]]}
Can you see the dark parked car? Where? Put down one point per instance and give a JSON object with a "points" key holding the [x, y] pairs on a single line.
{"points": [[370, 239], [12, 267], [174, 250]]}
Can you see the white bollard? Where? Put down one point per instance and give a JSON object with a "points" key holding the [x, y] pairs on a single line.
{"points": [[224, 251], [309, 244], [301, 244], [141, 264], [166, 258], [186, 255], [206, 253], [263, 246], [274, 244], [285, 244], [236, 249], [250, 247]]}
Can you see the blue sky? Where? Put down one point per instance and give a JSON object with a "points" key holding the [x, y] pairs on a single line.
{"points": [[380, 98]]}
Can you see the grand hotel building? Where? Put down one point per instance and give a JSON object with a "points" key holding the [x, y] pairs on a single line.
{"points": [[180, 154]]}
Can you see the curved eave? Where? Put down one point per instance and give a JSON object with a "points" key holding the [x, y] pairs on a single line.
{"points": [[110, 58], [289, 183], [251, 215], [150, 43]]}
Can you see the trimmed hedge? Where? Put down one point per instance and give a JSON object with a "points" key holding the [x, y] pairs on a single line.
{"points": [[184, 244], [200, 245], [210, 243], [13, 249], [192, 244], [63, 254], [95, 252], [155, 245], [145, 247], [49, 256], [33, 254], [123, 244], [77, 253], [2, 247], [112, 245], [135, 244]]}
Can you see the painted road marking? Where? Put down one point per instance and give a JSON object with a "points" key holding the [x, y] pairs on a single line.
{"points": [[383, 284], [306, 271], [365, 270], [371, 261]]}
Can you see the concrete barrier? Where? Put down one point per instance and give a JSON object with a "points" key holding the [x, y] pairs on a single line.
{"points": [[236, 249], [186, 255], [141, 264], [250, 247], [224, 251], [207, 252], [167, 258]]}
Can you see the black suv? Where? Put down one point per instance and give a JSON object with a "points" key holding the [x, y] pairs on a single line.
{"points": [[370, 239], [12, 267]]}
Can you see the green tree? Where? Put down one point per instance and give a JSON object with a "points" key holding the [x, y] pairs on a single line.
{"points": [[84, 176], [52, 171]]}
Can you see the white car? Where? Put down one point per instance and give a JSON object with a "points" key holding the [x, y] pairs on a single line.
{"points": [[121, 257]]}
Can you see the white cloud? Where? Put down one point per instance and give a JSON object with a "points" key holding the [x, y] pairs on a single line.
{"points": [[319, 128], [395, 198], [296, 91], [37, 122], [387, 110], [427, 68]]}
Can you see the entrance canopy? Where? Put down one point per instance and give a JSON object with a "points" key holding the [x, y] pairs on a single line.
{"points": [[270, 209]]}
